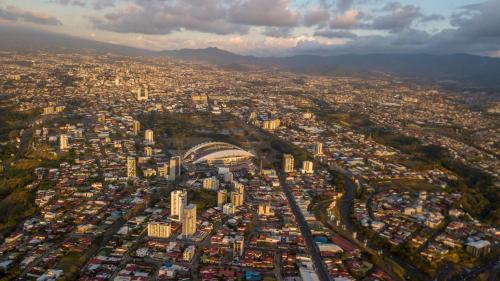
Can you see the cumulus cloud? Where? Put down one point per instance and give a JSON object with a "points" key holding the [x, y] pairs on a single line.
{"points": [[211, 16], [95, 4], [348, 19], [407, 41], [475, 29], [80, 3], [13, 13], [263, 13], [400, 17], [336, 26], [316, 16], [278, 31], [393, 17], [432, 17], [479, 20], [335, 34], [344, 5], [160, 17], [102, 4]]}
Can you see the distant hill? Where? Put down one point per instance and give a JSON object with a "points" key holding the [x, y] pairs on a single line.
{"points": [[212, 55], [463, 69], [29, 40], [459, 70]]}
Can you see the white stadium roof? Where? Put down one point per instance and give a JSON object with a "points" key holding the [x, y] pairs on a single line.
{"points": [[224, 154], [215, 151]]}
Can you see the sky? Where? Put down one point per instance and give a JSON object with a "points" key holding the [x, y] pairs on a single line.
{"points": [[272, 27]]}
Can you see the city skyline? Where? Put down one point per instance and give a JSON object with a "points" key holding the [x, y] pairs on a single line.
{"points": [[242, 172], [272, 28], [257, 140]]}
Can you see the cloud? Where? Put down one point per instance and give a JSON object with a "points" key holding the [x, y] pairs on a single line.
{"points": [[95, 4], [335, 34], [102, 4], [407, 41], [495, 53], [278, 31], [160, 17], [478, 21], [348, 19], [210, 16], [263, 13], [316, 16], [344, 5], [474, 29], [399, 18], [13, 13], [433, 17], [337, 25], [80, 3]]}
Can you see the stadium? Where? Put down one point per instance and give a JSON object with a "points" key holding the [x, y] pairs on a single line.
{"points": [[216, 154]]}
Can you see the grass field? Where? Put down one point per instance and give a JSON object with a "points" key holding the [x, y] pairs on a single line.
{"points": [[405, 184], [346, 119], [204, 199]]}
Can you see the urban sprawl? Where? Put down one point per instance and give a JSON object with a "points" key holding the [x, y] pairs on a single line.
{"points": [[128, 168]]}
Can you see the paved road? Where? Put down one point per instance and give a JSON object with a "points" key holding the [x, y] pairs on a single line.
{"points": [[306, 233], [345, 210], [25, 139], [23, 146], [494, 266]]}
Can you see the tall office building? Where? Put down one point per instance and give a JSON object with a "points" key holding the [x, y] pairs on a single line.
{"points": [[238, 187], [189, 220], [318, 149], [178, 200], [131, 167], [63, 142], [163, 170], [178, 164], [288, 163], [221, 197], [271, 124], [142, 93], [148, 151], [264, 209], [149, 136], [236, 199], [211, 183], [307, 115], [159, 230], [307, 167], [136, 127], [175, 167]]}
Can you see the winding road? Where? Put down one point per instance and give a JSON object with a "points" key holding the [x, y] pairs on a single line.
{"points": [[345, 210]]}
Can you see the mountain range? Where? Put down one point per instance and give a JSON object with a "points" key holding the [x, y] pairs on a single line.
{"points": [[460, 70]]}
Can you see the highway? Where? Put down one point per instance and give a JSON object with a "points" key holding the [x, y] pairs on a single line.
{"points": [[320, 267]]}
